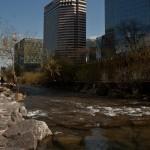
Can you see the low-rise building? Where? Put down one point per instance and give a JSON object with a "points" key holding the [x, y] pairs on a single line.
{"points": [[105, 46], [91, 50], [99, 48], [28, 53]]}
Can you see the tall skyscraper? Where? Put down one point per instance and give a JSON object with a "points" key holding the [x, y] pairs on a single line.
{"points": [[127, 19], [65, 27], [120, 11]]}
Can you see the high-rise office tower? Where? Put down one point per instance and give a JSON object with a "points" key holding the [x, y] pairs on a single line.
{"points": [[120, 11], [127, 18], [65, 27]]}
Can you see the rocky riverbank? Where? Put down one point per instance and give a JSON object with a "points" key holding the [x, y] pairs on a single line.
{"points": [[16, 131]]}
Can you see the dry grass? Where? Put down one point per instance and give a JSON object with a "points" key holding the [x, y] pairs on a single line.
{"points": [[33, 78]]}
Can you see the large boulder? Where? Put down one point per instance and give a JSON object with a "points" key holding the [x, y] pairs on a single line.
{"points": [[26, 134], [23, 111], [3, 142], [2, 89], [18, 113], [27, 141]]}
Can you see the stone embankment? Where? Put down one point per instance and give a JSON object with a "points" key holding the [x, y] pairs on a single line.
{"points": [[16, 132]]}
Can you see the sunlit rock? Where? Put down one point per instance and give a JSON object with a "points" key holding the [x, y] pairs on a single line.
{"points": [[19, 97], [27, 133]]}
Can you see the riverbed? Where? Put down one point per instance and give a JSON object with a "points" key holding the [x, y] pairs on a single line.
{"points": [[82, 122]]}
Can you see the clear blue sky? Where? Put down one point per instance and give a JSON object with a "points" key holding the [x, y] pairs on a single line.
{"points": [[27, 16]]}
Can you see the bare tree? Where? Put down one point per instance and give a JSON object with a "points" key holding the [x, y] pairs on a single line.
{"points": [[8, 39], [132, 34]]}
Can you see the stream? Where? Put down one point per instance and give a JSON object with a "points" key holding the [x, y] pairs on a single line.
{"points": [[82, 122]]}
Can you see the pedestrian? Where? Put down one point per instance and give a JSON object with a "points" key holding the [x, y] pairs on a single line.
{"points": [[2, 81]]}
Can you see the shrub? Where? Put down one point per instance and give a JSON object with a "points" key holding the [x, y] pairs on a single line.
{"points": [[51, 68], [68, 70]]}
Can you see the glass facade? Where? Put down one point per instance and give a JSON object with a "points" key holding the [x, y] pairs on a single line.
{"points": [[119, 11]]}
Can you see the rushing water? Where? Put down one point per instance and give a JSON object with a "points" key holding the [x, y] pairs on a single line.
{"points": [[90, 123]]}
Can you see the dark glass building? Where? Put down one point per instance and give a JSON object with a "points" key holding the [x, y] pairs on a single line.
{"points": [[127, 18], [65, 28], [120, 11]]}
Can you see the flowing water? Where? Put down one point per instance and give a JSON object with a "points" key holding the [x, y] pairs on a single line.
{"points": [[90, 123]]}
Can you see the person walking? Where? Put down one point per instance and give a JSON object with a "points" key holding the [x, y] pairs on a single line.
{"points": [[2, 81]]}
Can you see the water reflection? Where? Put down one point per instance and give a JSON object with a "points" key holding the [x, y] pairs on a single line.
{"points": [[96, 141], [124, 138]]}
